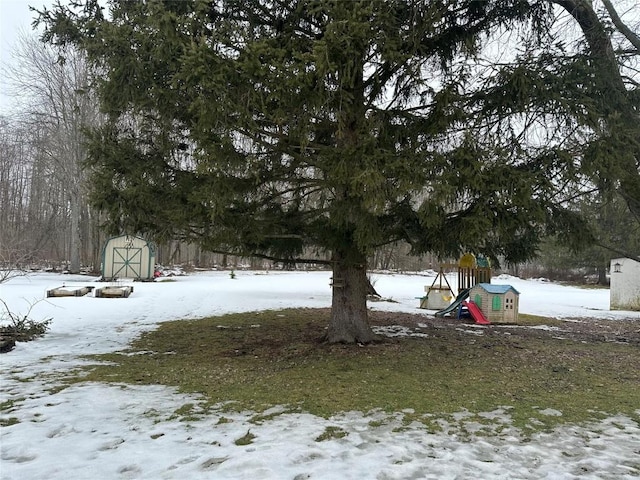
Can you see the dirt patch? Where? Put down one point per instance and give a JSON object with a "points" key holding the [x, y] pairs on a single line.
{"points": [[588, 330]]}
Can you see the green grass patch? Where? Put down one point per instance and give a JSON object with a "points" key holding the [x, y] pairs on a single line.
{"points": [[331, 433], [8, 421], [246, 439], [10, 405], [254, 361]]}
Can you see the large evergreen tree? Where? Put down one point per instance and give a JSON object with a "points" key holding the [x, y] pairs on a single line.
{"points": [[269, 128]]}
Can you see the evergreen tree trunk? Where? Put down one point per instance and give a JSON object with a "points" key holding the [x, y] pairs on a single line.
{"points": [[349, 319], [602, 276]]}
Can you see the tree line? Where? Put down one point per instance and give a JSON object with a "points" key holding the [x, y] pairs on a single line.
{"points": [[321, 132]]}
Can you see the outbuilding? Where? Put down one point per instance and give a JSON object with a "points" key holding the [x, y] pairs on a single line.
{"points": [[498, 303], [625, 284], [129, 257]]}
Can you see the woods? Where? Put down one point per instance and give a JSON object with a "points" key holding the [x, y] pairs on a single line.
{"points": [[45, 212], [327, 132]]}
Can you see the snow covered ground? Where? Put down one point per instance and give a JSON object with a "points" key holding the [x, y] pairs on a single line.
{"points": [[96, 431]]}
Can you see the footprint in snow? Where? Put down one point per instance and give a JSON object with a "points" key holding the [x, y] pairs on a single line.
{"points": [[112, 445]]}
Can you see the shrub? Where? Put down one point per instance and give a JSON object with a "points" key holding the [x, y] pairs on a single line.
{"points": [[21, 328], [25, 329]]}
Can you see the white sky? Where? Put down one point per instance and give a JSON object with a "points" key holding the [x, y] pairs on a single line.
{"points": [[15, 17]]}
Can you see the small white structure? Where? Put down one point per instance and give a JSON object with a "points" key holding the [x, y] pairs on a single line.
{"points": [[625, 284], [128, 257]]}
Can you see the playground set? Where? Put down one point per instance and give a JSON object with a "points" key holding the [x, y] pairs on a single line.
{"points": [[477, 297]]}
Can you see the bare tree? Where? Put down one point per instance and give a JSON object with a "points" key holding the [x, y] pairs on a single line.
{"points": [[614, 54], [622, 27], [57, 105]]}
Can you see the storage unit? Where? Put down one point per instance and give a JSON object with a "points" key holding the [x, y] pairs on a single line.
{"points": [[130, 257], [625, 284], [498, 303]]}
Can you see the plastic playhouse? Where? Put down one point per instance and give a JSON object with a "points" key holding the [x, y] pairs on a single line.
{"points": [[497, 303]]}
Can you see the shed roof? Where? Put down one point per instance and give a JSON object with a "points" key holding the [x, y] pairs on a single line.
{"points": [[496, 289]]}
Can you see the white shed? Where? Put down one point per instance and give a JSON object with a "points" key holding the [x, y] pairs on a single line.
{"points": [[625, 284], [126, 256]]}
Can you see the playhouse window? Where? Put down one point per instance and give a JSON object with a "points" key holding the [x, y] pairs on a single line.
{"points": [[478, 300], [496, 303]]}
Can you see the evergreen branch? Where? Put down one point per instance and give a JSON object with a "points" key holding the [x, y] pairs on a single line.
{"points": [[619, 251], [285, 236], [293, 260], [631, 200], [273, 258], [391, 241]]}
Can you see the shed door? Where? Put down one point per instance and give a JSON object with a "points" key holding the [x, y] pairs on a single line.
{"points": [[127, 262]]}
